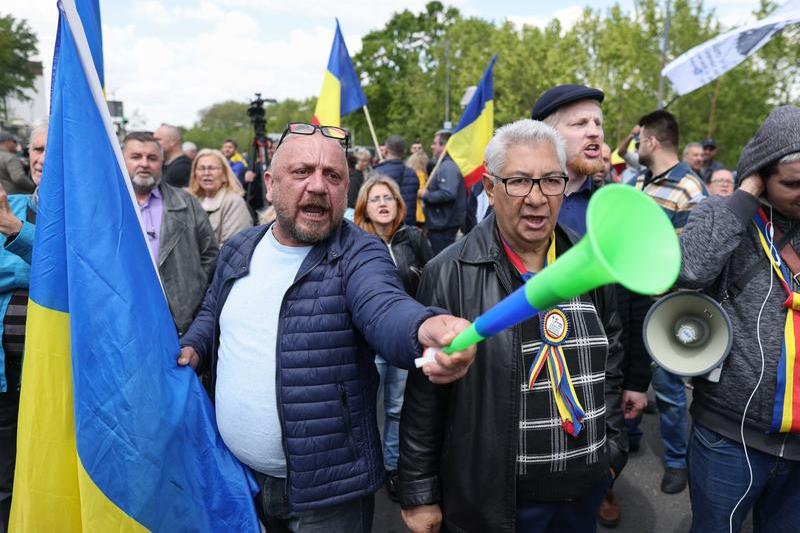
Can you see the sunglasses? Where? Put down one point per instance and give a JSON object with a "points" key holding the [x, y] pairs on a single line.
{"points": [[304, 128]]}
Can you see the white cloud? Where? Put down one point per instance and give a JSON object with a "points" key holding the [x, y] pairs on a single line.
{"points": [[167, 60], [568, 16]]}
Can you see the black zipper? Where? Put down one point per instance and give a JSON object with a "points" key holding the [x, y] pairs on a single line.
{"points": [[348, 424]]}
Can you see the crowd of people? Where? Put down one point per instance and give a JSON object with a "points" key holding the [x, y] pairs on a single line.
{"points": [[303, 317]]}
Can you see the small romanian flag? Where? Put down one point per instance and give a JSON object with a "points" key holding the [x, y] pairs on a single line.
{"points": [[474, 130], [341, 91], [113, 435]]}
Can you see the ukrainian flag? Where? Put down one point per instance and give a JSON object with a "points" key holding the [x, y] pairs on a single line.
{"points": [[113, 435], [474, 130], [341, 91]]}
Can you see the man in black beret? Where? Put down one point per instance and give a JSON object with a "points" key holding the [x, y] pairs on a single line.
{"points": [[574, 111]]}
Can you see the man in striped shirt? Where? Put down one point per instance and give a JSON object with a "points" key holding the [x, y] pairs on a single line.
{"points": [[677, 189]]}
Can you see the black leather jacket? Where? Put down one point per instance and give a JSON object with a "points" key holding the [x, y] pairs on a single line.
{"points": [[410, 251], [458, 442]]}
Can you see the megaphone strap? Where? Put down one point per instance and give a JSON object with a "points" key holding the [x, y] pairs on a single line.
{"points": [[785, 415]]}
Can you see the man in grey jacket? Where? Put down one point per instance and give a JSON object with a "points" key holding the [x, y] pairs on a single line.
{"points": [[742, 422], [179, 234]]}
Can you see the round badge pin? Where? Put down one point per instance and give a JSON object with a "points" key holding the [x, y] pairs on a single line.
{"points": [[555, 326]]}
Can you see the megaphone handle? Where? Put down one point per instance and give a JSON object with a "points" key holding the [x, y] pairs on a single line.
{"points": [[428, 355]]}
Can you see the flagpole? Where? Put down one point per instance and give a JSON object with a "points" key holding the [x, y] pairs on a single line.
{"points": [[436, 167], [372, 132]]}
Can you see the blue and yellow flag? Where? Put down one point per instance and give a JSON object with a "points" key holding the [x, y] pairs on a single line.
{"points": [[113, 435], [341, 92]]}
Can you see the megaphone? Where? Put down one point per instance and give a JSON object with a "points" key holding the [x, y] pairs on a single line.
{"points": [[687, 333], [629, 240]]}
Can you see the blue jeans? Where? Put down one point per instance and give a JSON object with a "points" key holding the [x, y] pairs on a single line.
{"points": [[671, 400], [575, 516], [718, 477], [273, 511], [635, 433], [393, 385]]}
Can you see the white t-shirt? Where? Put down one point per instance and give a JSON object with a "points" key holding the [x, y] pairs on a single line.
{"points": [[246, 397]]}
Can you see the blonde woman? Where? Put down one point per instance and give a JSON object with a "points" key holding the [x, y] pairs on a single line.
{"points": [[218, 189], [380, 210], [419, 162]]}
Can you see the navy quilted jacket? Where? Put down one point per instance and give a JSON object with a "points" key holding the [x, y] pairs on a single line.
{"points": [[346, 303], [407, 180]]}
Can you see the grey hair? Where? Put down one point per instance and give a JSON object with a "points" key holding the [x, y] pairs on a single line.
{"points": [[38, 130], [691, 145], [188, 145], [522, 132], [789, 158]]}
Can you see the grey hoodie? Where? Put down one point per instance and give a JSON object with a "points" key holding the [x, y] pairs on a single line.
{"points": [[719, 243]]}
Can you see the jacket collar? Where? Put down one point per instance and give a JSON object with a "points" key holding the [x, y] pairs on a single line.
{"points": [[213, 203], [172, 200]]}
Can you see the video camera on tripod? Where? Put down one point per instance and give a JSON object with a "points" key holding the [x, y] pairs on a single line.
{"points": [[255, 194]]}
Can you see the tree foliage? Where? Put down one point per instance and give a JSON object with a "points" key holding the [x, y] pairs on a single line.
{"points": [[229, 120], [17, 72], [402, 68]]}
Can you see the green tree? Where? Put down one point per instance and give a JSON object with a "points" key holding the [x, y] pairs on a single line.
{"points": [[402, 69], [229, 120], [18, 44]]}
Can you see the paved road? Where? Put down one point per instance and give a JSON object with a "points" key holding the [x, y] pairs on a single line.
{"points": [[644, 507]]}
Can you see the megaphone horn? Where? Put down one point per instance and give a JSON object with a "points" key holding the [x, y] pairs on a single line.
{"points": [[629, 240], [687, 333]]}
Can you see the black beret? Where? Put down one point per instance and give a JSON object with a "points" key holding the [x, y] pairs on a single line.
{"points": [[553, 99]]}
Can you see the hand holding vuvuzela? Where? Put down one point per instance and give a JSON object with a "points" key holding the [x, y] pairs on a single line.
{"points": [[646, 260]]}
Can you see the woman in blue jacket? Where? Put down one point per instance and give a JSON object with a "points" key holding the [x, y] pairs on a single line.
{"points": [[17, 225]]}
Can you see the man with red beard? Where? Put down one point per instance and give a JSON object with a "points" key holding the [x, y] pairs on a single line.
{"points": [[574, 111]]}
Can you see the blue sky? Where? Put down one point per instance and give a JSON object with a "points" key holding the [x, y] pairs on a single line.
{"points": [[167, 59]]}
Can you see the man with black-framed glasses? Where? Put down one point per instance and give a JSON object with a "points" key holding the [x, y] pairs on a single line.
{"points": [[491, 452], [289, 330]]}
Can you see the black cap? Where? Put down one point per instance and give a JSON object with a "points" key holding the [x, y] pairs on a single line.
{"points": [[709, 143], [557, 97]]}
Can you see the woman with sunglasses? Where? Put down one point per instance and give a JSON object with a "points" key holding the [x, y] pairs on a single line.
{"points": [[380, 210], [220, 194]]}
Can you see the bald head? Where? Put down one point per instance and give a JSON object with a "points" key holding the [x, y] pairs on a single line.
{"points": [[307, 185], [169, 137]]}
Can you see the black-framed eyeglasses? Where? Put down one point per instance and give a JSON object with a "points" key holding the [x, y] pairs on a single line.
{"points": [[304, 128], [521, 186]]}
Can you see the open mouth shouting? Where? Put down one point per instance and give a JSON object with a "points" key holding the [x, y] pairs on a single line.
{"points": [[316, 212], [592, 151]]}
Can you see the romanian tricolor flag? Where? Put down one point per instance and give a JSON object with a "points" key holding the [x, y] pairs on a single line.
{"points": [[113, 435], [474, 130], [341, 91], [786, 410]]}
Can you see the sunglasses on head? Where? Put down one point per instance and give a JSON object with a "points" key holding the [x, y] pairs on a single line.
{"points": [[304, 128]]}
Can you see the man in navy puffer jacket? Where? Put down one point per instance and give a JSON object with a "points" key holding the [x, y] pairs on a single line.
{"points": [[289, 328], [406, 178]]}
